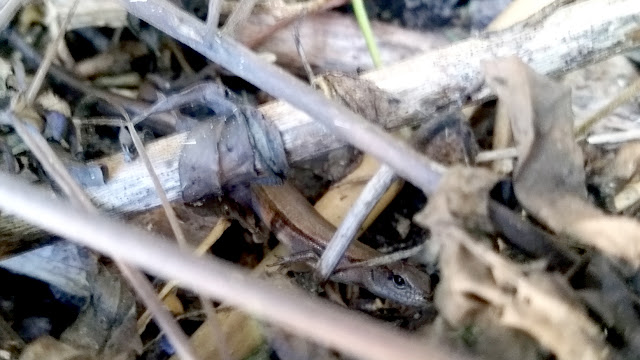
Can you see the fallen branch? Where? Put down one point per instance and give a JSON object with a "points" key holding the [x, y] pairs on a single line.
{"points": [[569, 38], [7, 11]]}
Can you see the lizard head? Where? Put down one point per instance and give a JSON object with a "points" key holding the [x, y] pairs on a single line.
{"points": [[402, 283]]}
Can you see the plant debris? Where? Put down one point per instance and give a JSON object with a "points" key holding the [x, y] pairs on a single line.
{"points": [[506, 231]]}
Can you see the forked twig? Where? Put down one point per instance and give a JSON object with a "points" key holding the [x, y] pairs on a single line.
{"points": [[38, 78], [8, 10]]}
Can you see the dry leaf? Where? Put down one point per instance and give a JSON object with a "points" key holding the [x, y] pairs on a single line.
{"points": [[480, 287], [337, 201], [108, 13], [462, 198], [362, 96], [549, 179]]}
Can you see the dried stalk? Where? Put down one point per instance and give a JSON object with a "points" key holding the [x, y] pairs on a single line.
{"points": [[238, 16], [210, 312]]}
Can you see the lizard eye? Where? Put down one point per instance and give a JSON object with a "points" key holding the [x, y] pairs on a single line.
{"points": [[399, 281]]}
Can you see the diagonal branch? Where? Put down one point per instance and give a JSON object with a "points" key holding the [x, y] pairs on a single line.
{"points": [[570, 37], [337, 118]]}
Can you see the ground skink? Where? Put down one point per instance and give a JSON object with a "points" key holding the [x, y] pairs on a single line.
{"points": [[297, 224]]}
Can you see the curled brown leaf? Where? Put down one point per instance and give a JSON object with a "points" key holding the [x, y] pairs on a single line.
{"points": [[549, 179]]}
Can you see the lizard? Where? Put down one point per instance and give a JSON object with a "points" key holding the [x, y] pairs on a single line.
{"points": [[297, 224]]}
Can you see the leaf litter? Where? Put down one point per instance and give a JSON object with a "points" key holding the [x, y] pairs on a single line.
{"points": [[502, 302]]}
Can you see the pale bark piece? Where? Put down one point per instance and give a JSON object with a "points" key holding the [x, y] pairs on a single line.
{"points": [[361, 96], [334, 42], [89, 13], [549, 179]]}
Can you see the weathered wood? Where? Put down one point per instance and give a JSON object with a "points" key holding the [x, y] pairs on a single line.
{"points": [[571, 37], [334, 42]]}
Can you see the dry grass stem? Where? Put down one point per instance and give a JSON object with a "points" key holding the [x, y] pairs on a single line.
{"points": [[38, 78]]}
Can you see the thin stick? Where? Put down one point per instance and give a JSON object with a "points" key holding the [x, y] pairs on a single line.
{"points": [[177, 232], [168, 209], [627, 94], [161, 315], [303, 56], [239, 14], [372, 192], [499, 154], [348, 229], [292, 309], [55, 168], [182, 60], [614, 137], [38, 78], [8, 11], [502, 138], [387, 258], [213, 17], [204, 246]]}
